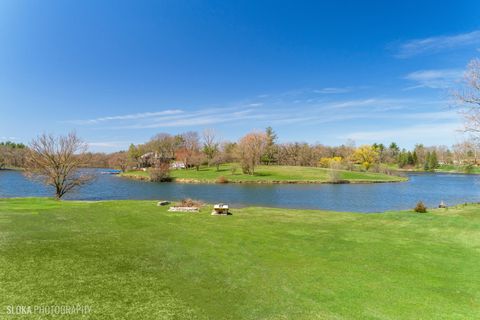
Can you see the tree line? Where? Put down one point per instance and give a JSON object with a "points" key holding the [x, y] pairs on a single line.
{"points": [[192, 150]]}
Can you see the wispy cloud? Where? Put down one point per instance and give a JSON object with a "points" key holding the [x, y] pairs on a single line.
{"points": [[176, 118], [438, 43], [368, 102], [435, 79], [429, 133], [298, 109], [132, 116], [275, 111], [4, 138], [107, 144], [333, 90]]}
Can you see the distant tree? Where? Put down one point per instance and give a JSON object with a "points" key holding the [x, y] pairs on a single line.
{"points": [[3, 156], [402, 159], [380, 148], [393, 151], [13, 145], [414, 159], [119, 160], [366, 155], [433, 160], [270, 154], [219, 159], [191, 147], [97, 160], [461, 153], [12, 154], [135, 152], [420, 152], [251, 148], [210, 143], [56, 162], [197, 160], [394, 147], [228, 149], [468, 98], [164, 146], [426, 165]]}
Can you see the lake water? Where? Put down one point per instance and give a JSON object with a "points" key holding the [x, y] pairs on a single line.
{"points": [[430, 188]]}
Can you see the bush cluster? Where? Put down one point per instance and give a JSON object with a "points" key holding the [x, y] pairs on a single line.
{"points": [[160, 173], [420, 207]]}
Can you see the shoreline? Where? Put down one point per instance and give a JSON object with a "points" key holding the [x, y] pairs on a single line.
{"points": [[198, 181], [435, 172]]}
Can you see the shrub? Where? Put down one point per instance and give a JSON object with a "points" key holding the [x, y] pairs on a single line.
{"points": [[420, 207], [160, 173], [328, 162], [222, 179], [191, 203], [381, 168], [246, 168], [334, 173]]}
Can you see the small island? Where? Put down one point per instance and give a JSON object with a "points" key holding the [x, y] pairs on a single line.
{"points": [[228, 173]]}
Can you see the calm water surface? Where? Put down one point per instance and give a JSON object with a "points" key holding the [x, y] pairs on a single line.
{"points": [[430, 188]]}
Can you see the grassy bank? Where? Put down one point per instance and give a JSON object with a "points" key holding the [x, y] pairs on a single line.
{"points": [[458, 169], [444, 168], [269, 174], [134, 260]]}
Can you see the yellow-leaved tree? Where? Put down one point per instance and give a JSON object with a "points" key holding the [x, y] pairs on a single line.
{"points": [[366, 155]]}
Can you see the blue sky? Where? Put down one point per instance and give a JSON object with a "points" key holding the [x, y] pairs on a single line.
{"points": [[121, 71]]}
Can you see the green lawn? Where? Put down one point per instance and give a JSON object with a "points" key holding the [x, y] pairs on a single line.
{"points": [[270, 174], [447, 168], [458, 169], [134, 260]]}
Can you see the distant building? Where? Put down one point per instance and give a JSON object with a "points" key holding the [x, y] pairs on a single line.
{"points": [[149, 159], [177, 165]]}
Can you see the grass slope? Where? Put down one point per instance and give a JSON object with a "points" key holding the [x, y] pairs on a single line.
{"points": [[134, 260], [271, 174], [444, 168]]}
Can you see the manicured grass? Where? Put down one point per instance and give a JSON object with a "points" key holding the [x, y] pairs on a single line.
{"points": [[134, 260], [447, 168], [270, 174], [458, 169]]}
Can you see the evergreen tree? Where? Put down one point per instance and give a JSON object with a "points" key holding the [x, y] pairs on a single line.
{"points": [[270, 155], [402, 159], [426, 165], [410, 158], [394, 149], [433, 161]]}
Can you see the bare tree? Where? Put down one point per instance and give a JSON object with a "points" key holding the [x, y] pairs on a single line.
{"points": [[164, 146], [250, 148], [160, 172], [3, 156], [197, 160], [210, 143], [119, 160], [469, 97], [191, 146], [56, 162]]}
